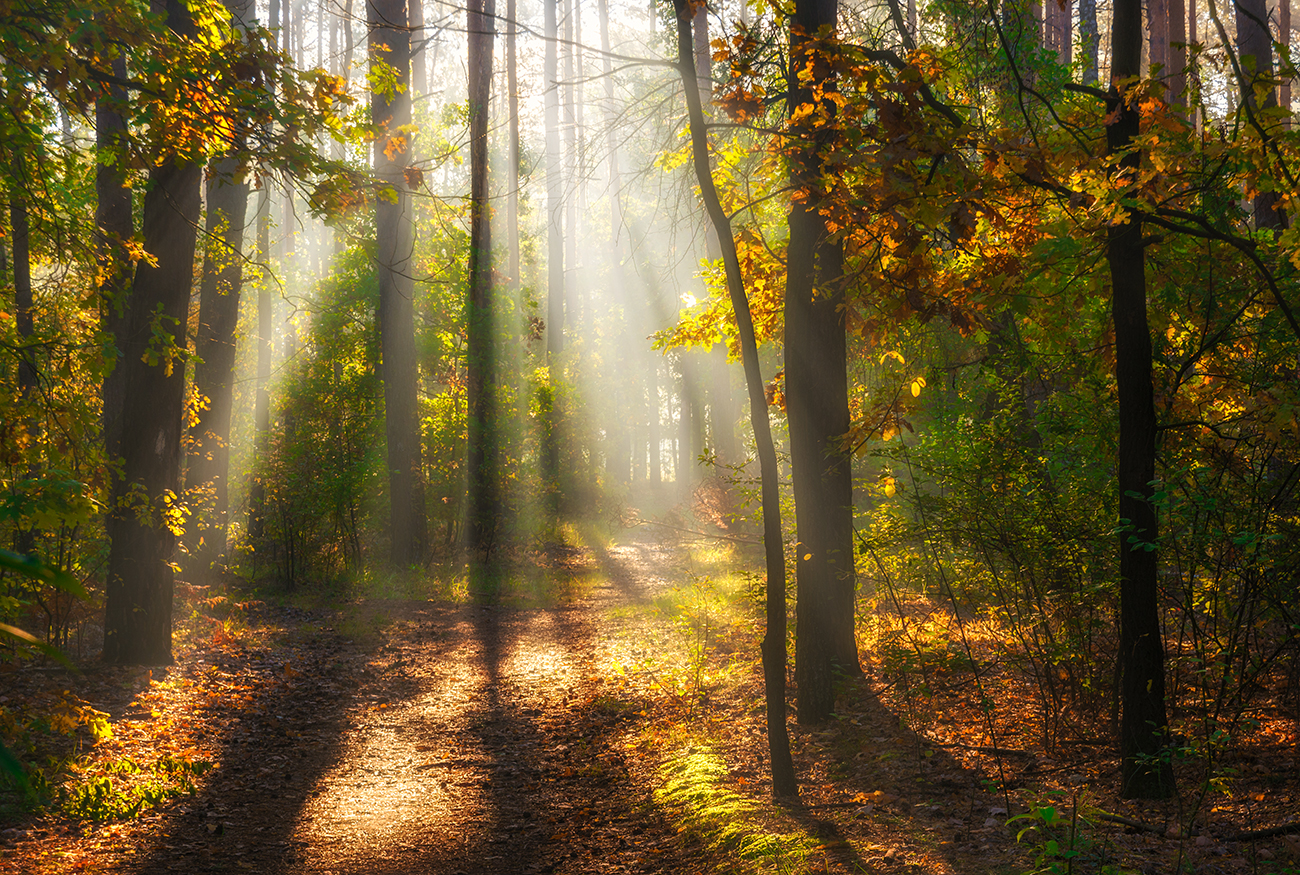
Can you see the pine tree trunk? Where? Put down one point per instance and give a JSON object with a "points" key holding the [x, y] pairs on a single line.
{"points": [[390, 41], [484, 504], [817, 409], [1145, 772]]}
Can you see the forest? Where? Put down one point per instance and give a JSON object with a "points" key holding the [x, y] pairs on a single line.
{"points": [[791, 436]]}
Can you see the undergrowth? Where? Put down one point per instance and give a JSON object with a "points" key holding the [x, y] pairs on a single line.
{"points": [[692, 792]]}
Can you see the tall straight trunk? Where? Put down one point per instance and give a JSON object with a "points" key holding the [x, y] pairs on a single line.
{"points": [[115, 226], [1145, 772], [419, 68], [390, 43], [773, 647], [262, 402], [571, 147], [1177, 73], [512, 147], [817, 405], [1158, 37], [138, 602], [1089, 40], [1255, 58], [554, 191], [1067, 33], [219, 293], [484, 503], [623, 452], [21, 231], [1284, 37], [654, 419]]}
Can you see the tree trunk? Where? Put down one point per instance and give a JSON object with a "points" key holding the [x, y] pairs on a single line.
{"points": [[1284, 37], [774, 646], [1255, 57], [554, 192], [571, 147], [1158, 42], [817, 406], [484, 504], [512, 148], [115, 226], [262, 403], [219, 293], [390, 41], [1177, 77], [138, 603], [419, 69], [1089, 40], [1145, 772]]}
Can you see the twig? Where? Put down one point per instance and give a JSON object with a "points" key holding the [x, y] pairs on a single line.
{"points": [[1128, 821], [1285, 829]]}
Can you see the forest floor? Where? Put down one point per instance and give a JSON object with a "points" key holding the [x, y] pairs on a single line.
{"points": [[607, 718]]}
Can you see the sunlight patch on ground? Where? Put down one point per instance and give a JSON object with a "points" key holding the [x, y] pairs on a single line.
{"points": [[401, 782]]}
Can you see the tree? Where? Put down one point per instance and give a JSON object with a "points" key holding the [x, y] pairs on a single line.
{"points": [[219, 293], [817, 384], [1145, 771], [143, 521], [115, 225], [773, 646], [484, 503], [390, 60]]}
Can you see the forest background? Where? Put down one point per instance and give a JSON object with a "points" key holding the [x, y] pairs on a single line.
{"points": [[286, 304]]}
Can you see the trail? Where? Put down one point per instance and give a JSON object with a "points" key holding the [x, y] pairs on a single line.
{"points": [[468, 739]]}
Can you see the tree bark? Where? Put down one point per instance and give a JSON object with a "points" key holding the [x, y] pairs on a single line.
{"points": [[1158, 42], [554, 191], [774, 644], [817, 404], [115, 226], [390, 43], [1255, 58], [1145, 772], [1089, 40], [219, 294], [484, 504], [512, 148]]}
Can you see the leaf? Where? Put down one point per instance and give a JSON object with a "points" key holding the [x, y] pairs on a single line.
{"points": [[37, 570]]}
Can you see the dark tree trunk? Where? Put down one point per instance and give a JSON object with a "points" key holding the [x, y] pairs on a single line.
{"points": [[1255, 58], [1145, 772], [20, 228], [138, 603], [219, 293], [209, 461], [1158, 38], [115, 226], [484, 503], [390, 41], [817, 407], [774, 646]]}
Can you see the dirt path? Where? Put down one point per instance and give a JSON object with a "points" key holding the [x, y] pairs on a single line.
{"points": [[469, 739]]}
